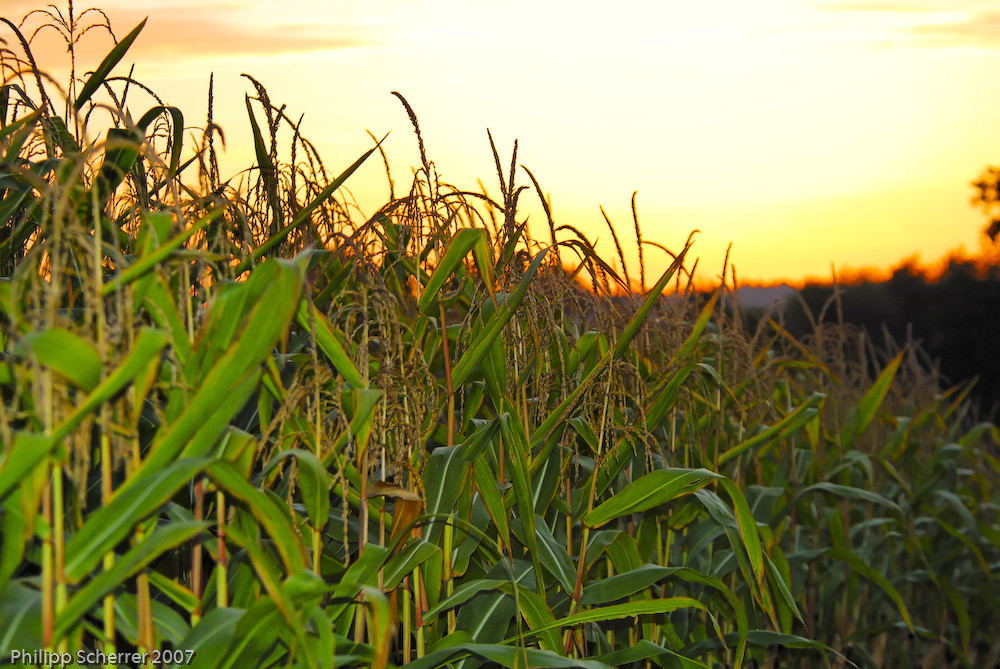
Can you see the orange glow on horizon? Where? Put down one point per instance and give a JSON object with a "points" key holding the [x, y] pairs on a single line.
{"points": [[809, 135]]}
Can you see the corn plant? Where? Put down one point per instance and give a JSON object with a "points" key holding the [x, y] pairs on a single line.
{"points": [[242, 427]]}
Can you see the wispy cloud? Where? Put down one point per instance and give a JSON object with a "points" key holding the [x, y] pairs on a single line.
{"points": [[935, 22], [179, 30], [910, 6], [979, 29], [199, 34]]}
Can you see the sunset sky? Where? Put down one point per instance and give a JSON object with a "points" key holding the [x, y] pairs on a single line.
{"points": [[805, 133]]}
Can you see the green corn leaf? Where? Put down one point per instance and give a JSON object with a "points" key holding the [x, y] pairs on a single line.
{"points": [[554, 557], [112, 523], [464, 241], [12, 529], [747, 527], [275, 285], [462, 594], [239, 448], [95, 80], [628, 583], [791, 423], [279, 596], [729, 523], [211, 637], [517, 458], [765, 638], [9, 206], [494, 363], [267, 171], [147, 262], [621, 548], [325, 651], [486, 484], [510, 246], [313, 481], [144, 355], [491, 330], [585, 250], [961, 609], [362, 572], [623, 612], [615, 460], [6, 301], [403, 563], [699, 327], [215, 426], [159, 542], [58, 134], [197, 431], [584, 429], [328, 343], [170, 626], [222, 324], [647, 650], [502, 656], [873, 575], [653, 489], [781, 582], [444, 475], [622, 585], [177, 125], [477, 443], [270, 515], [583, 350], [257, 631], [972, 529], [537, 614], [360, 404], [866, 409], [18, 131], [380, 623], [179, 594], [487, 616], [666, 397], [120, 154], [154, 230], [155, 298], [21, 613], [850, 492], [484, 261], [29, 449]]}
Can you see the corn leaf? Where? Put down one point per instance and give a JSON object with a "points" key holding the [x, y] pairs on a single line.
{"points": [[653, 489], [865, 411], [159, 542], [99, 75], [110, 524], [464, 241]]}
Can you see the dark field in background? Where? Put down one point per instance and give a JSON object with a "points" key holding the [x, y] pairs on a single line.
{"points": [[954, 318]]}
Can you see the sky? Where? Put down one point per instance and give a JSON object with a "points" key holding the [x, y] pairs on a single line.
{"points": [[808, 134]]}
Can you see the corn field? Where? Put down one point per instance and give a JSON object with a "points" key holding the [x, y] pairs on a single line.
{"points": [[243, 428]]}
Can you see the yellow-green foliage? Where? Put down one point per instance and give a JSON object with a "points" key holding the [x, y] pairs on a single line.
{"points": [[238, 422]]}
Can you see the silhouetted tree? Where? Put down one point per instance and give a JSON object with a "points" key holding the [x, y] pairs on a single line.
{"points": [[987, 198]]}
